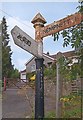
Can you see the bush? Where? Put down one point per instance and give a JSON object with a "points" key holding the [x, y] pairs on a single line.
{"points": [[50, 114], [29, 75], [49, 72]]}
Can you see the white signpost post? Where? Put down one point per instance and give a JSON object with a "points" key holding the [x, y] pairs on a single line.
{"points": [[24, 41]]}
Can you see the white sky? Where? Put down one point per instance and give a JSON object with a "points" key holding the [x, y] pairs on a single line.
{"points": [[21, 14]]}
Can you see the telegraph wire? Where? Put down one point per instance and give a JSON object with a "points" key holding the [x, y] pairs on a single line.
{"points": [[14, 18]]}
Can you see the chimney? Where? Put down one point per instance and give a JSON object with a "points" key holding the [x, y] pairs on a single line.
{"points": [[47, 53]]}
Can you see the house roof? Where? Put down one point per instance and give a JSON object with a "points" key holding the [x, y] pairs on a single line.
{"points": [[48, 56], [30, 60], [44, 55], [53, 57], [66, 54], [23, 71]]}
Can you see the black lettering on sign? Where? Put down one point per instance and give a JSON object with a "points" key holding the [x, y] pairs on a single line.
{"points": [[24, 39], [29, 43], [19, 37], [58, 25], [55, 26]]}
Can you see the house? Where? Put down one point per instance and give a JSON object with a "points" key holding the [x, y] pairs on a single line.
{"points": [[31, 66], [68, 54], [49, 60], [23, 76], [71, 55]]}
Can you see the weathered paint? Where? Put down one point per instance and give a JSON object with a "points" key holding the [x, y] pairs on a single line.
{"points": [[24, 41], [62, 24]]}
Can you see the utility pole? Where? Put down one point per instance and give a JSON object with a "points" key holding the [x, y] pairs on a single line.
{"points": [[58, 87], [39, 22]]}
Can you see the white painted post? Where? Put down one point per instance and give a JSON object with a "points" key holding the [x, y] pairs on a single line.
{"points": [[58, 88]]}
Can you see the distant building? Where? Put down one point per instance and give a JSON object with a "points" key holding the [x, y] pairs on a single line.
{"points": [[31, 66], [69, 54], [49, 60]]}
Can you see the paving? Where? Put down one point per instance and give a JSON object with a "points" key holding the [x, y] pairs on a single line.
{"points": [[16, 105]]}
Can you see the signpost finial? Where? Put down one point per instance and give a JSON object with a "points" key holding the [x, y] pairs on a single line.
{"points": [[38, 20]]}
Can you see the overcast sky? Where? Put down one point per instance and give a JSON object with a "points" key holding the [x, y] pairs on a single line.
{"points": [[21, 14]]}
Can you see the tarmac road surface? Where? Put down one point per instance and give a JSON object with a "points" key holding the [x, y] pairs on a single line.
{"points": [[16, 105]]}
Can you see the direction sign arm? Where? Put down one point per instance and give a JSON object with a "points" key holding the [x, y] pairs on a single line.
{"points": [[24, 41], [62, 24]]}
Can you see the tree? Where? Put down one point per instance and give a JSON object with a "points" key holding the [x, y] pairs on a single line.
{"points": [[69, 70], [15, 73], [74, 36], [7, 66]]}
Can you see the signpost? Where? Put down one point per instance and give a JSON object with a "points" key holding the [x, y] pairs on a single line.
{"points": [[35, 47], [39, 22]]}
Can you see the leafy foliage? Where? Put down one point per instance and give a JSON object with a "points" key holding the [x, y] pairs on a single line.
{"points": [[50, 72], [72, 106], [29, 75], [15, 73], [64, 69], [74, 35], [69, 70]]}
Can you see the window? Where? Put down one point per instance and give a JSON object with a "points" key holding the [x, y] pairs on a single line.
{"points": [[49, 64], [33, 68]]}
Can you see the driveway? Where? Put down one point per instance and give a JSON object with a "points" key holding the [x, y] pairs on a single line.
{"points": [[16, 105]]}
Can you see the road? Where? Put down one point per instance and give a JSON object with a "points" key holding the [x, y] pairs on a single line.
{"points": [[15, 104]]}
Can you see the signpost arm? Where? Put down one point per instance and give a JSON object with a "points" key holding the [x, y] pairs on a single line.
{"points": [[39, 22], [62, 24]]}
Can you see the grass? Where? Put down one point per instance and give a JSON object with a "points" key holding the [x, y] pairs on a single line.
{"points": [[50, 114], [71, 109], [73, 113]]}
